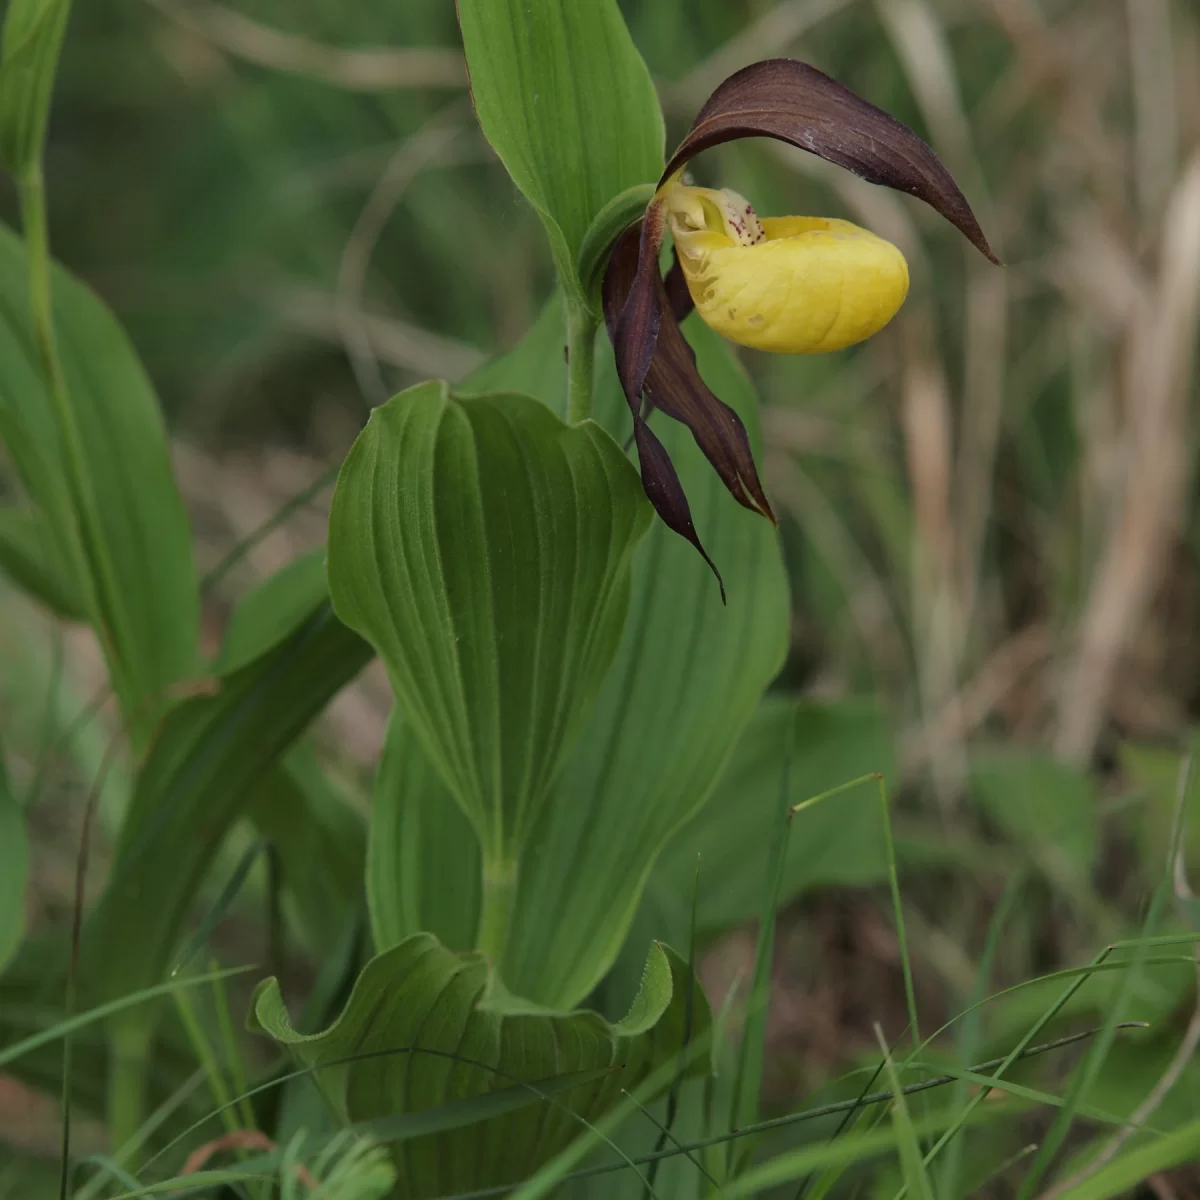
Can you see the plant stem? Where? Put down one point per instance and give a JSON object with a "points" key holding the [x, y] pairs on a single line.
{"points": [[499, 899], [581, 361], [129, 1041]]}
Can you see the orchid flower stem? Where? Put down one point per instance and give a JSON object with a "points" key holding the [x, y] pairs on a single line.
{"points": [[581, 361], [499, 900]]}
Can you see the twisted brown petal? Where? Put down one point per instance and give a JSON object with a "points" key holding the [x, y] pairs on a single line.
{"points": [[674, 385], [634, 330], [795, 103], [659, 477]]}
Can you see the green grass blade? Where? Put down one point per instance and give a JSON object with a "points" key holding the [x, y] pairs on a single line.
{"points": [[910, 995], [70, 1025], [971, 1030], [220, 906], [159, 1117], [1125, 1173], [916, 1175], [1085, 1076], [689, 1014], [831, 1160], [109, 1170], [547, 1177], [402, 1127], [747, 1078], [666, 1135], [1033, 1095], [204, 1181], [235, 555]]}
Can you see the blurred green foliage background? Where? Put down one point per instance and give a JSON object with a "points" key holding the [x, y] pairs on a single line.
{"points": [[989, 511]]}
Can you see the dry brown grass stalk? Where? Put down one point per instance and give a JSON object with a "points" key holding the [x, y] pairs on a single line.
{"points": [[1158, 348], [370, 69]]}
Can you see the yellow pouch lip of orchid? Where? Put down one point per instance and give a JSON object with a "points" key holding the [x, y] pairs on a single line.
{"points": [[809, 286]]}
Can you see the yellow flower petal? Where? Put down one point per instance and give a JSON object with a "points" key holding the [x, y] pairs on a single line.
{"points": [[792, 285]]}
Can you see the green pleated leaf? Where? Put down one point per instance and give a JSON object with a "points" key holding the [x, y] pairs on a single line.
{"points": [[423, 866], [14, 868], [207, 759], [565, 99], [686, 679], [32, 38], [29, 556], [478, 1039], [483, 548], [137, 569]]}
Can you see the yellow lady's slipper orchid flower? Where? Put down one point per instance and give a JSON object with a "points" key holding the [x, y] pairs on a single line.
{"points": [[791, 285]]}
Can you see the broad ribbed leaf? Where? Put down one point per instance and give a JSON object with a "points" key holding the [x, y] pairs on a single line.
{"points": [[483, 548], [139, 557], [29, 556], [687, 677], [422, 854], [207, 759], [566, 101], [14, 868], [33, 33], [419, 995]]}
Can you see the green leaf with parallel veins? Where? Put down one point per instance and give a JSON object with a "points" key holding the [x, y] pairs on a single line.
{"points": [[29, 556], [139, 561], [686, 679], [208, 757], [422, 854], [483, 547], [420, 996], [14, 869], [565, 99]]}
